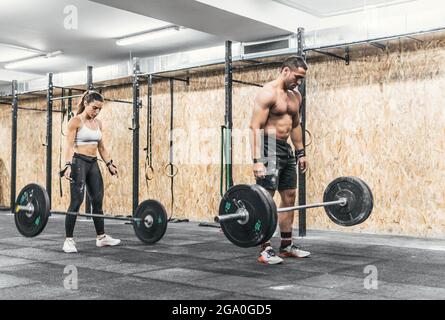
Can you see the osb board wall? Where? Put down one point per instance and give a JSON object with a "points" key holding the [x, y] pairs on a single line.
{"points": [[4, 183], [380, 118], [5, 154]]}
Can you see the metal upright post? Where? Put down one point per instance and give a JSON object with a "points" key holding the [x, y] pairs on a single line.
{"points": [[302, 176], [228, 116], [136, 106], [14, 143], [88, 205], [90, 85], [49, 136], [70, 104]]}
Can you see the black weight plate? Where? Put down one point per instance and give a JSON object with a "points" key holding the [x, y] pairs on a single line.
{"points": [[32, 224], [369, 191], [273, 207], [360, 201], [255, 230], [154, 221]]}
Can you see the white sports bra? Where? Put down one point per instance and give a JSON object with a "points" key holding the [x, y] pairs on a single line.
{"points": [[86, 135]]}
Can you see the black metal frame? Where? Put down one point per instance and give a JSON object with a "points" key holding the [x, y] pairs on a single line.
{"points": [[186, 80], [302, 176], [90, 85], [70, 105], [69, 89], [227, 141], [49, 136], [135, 129], [378, 45], [48, 143], [247, 83], [37, 109], [136, 102], [136, 124], [346, 58], [14, 144]]}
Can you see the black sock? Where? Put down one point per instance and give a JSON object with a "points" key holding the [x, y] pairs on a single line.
{"points": [[265, 245], [286, 239]]}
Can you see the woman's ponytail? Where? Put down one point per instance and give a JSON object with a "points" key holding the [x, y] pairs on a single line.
{"points": [[88, 97]]}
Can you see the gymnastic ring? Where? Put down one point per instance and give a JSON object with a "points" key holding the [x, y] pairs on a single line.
{"points": [[310, 137], [173, 167], [149, 173]]}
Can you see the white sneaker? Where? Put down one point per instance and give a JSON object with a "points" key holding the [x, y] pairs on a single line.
{"points": [[107, 240], [293, 251], [69, 246], [268, 256]]}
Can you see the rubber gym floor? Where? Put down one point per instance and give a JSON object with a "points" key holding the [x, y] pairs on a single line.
{"points": [[196, 262]]}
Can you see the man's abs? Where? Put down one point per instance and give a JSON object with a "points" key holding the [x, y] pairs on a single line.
{"points": [[280, 126]]}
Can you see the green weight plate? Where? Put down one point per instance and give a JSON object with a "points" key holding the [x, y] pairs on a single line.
{"points": [[31, 224], [154, 221], [359, 197], [273, 207], [261, 216]]}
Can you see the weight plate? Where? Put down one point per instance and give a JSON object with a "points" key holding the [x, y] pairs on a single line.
{"points": [[360, 201], [153, 225], [273, 207], [31, 224], [261, 216]]}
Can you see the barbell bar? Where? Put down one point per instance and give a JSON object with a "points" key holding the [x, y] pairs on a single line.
{"points": [[244, 214], [248, 214], [29, 209]]}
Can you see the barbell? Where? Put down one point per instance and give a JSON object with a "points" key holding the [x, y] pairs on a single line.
{"points": [[248, 214], [32, 210]]}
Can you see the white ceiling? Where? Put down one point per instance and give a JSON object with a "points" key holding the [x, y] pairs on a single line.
{"points": [[323, 8], [39, 25]]}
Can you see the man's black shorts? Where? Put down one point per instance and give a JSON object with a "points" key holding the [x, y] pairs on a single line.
{"points": [[281, 166]]}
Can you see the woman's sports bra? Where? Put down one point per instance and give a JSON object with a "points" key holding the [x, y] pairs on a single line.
{"points": [[86, 135]]}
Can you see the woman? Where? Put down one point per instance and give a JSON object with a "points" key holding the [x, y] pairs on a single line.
{"points": [[84, 140]]}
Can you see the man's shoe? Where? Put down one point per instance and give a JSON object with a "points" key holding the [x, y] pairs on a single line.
{"points": [[293, 251], [268, 256]]}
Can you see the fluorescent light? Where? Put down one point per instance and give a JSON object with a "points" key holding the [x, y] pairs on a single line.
{"points": [[7, 45], [154, 34], [32, 60], [344, 8], [9, 52]]}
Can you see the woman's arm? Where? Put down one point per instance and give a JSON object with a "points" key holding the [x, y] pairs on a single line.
{"points": [[73, 125], [104, 154]]}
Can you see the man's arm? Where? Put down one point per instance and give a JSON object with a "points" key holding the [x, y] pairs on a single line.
{"points": [[296, 133], [263, 102]]}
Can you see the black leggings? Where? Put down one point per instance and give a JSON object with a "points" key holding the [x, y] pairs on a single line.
{"points": [[85, 172]]}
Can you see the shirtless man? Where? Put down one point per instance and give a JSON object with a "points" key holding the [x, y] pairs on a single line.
{"points": [[276, 117]]}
